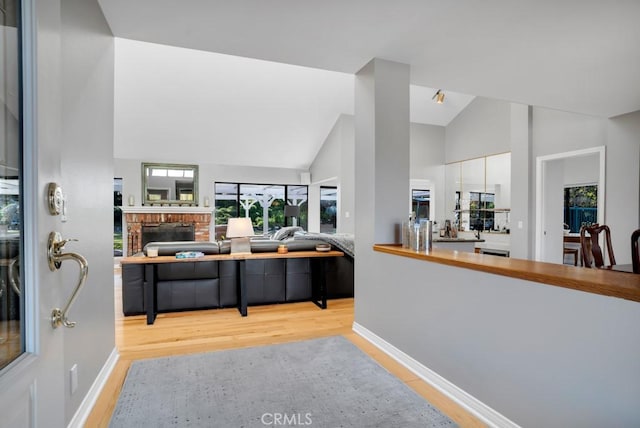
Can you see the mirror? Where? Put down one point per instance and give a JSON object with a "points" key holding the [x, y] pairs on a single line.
{"points": [[478, 193], [169, 184]]}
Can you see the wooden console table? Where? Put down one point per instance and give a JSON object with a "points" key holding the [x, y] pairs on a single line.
{"points": [[319, 295]]}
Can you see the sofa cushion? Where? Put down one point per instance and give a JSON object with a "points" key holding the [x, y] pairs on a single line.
{"points": [[298, 280], [257, 246], [265, 246], [133, 289], [188, 294], [265, 281], [170, 248], [271, 245], [187, 270], [300, 245]]}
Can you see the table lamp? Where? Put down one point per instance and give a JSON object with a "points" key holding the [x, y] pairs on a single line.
{"points": [[239, 230], [292, 211]]}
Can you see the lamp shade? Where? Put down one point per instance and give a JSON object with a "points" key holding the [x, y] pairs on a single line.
{"points": [[239, 227], [291, 210]]}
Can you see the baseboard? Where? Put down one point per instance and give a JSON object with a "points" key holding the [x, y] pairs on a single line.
{"points": [[81, 415], [474, 406]]}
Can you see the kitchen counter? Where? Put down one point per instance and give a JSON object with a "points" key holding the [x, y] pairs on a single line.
{"points": [[456, 244], [457, 240]]}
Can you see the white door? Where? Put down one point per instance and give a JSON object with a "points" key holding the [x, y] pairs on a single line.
{"points": [[32, 384], [553, 216]]}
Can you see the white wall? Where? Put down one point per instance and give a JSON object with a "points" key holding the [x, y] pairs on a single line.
{"points": [[334, 166], [522, 188], [347, 185], [87, 170], [427, 149], [427, 158], [326, 170], [130, 170], [334, 162], [552, 212], [482, 129], [558, 132], [581, 170], [326, 164], [175, 102], [501, 350], [623, 182], [541, 355]]}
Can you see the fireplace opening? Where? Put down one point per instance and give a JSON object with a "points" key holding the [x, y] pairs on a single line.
{"points": [[163, 232]]}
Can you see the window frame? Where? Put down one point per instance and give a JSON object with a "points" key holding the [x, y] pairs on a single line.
{"points": [[304, 212]]}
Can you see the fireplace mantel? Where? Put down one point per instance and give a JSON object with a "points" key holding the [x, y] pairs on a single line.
{"points": [[136, 216], [166, 209]]}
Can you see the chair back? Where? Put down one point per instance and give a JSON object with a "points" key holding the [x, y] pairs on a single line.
{"points": [[635, 253], [592, 253]]}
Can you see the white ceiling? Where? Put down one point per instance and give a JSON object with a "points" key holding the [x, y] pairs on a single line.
{"points": [[573, 55], [171, 103]]}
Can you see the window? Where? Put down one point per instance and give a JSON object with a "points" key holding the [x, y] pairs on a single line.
{"points": [[11, 205], [580, 206], [263, 203], [420, 200], [328, 209], [481, 210]]}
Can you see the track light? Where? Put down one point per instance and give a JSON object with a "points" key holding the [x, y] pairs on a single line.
{"points": [[438, 96]]}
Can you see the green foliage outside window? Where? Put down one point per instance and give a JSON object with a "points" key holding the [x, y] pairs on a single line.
{"points": [[580, 206]]}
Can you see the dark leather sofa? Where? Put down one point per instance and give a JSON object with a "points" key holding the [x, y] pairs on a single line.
{"points": [[213, 284]]}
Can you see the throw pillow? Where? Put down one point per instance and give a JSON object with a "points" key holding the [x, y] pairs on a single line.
{"points": [[286, 232]]}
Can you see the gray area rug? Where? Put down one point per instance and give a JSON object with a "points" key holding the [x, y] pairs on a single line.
{"points": [[325, 382]]}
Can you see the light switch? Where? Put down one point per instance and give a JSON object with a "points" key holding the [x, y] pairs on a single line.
{"points": [[520, 224]]}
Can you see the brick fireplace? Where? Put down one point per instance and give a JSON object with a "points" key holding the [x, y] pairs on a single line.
{"points": [[136, 217]]}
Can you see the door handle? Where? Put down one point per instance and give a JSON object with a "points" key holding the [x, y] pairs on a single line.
{"points": [[56, 257], [14, 276]]}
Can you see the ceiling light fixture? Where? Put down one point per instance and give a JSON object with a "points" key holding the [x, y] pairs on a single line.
{"points": [[438, 96]]}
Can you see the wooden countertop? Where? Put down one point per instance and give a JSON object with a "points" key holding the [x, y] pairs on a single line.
{"points": [[214, 257], [598, 281]]}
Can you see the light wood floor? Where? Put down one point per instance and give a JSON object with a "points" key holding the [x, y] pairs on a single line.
{"points": [[211, 330]]}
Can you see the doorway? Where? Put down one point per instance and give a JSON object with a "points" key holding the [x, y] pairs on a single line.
{"points": [[328, 209], [554, 173]]}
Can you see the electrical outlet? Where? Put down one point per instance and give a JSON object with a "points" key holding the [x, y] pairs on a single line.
{"points": [[73, 377]]}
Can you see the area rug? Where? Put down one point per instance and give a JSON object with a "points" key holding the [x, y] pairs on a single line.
{"points": [[326, 382]]}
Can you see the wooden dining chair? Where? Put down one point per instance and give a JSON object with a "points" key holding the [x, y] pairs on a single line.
{"points": [[592, 253], [572, 252], [635, 252]]}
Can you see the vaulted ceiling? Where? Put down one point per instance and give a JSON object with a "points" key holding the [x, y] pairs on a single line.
{"points": [[573, 55]]}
